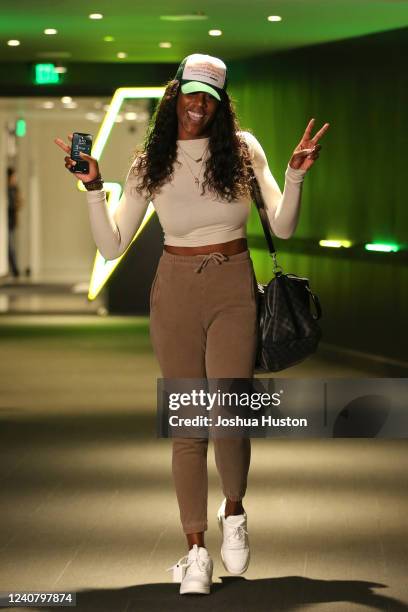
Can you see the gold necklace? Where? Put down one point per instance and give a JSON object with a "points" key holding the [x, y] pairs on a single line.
{"points": [[202, 159], [191, 157]]}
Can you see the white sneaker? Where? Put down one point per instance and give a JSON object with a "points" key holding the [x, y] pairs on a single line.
{"points": [[194, 571], [235, 544]]}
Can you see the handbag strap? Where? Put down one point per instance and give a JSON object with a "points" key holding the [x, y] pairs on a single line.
{"points": [[316, 303], [260, 205]]}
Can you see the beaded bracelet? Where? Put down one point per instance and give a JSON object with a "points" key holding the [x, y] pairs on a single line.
{"points": [[96, 183]]}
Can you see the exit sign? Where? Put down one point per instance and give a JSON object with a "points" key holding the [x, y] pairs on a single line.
{"points": [[45, 74]]}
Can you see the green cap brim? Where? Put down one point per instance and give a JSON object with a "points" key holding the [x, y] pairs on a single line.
{"points": [[193, 86]]}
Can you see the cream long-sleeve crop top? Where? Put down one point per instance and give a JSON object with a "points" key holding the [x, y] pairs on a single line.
{"points": [[188, 218]]}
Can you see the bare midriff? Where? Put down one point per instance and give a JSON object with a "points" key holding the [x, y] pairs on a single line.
{"points": [[227, 248]]}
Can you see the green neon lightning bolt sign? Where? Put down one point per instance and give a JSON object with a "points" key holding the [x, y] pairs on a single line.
{"points": [[102, 268]]}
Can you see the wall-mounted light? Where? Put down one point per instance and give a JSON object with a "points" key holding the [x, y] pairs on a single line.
{"points": [[336, 244], [383, 247], [102, 269]]}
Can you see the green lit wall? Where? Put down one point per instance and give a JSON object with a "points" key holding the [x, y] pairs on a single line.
{"points": [[355, 191]]}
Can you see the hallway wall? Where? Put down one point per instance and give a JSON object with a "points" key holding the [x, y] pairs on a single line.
{"points": [[53, 236], [355, 191]]}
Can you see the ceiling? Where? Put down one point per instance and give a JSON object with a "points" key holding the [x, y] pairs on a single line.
{"points": [[138, 29]]}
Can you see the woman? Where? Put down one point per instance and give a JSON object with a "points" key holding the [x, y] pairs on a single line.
{"points": [[14, 204], [196, 168]]}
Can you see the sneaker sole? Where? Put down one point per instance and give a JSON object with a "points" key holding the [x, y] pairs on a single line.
{"points": [[235, 573], [195, 589]]}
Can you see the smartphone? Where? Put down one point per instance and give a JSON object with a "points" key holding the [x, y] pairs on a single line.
{"points": [[80, 142]]}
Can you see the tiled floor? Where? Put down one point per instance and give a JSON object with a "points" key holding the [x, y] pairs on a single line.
{"points": [[88, 503]]}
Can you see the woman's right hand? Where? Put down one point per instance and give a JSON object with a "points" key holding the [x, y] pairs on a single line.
{"points": [[70, 163]]}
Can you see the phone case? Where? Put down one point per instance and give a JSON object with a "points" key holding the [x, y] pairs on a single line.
{"points": [[80, 142]]}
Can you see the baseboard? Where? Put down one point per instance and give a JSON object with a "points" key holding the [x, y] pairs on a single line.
{"points": [[381, 364]]}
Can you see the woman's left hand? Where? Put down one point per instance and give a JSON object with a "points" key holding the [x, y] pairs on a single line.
{"points": [[307, 151]]}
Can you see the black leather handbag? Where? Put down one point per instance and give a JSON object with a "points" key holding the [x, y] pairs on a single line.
{"points": [[288, 331]]}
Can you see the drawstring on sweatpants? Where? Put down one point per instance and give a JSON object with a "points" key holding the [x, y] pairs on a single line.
{"points": [[216, 257]]}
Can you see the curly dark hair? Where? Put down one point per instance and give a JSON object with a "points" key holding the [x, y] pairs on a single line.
{"points": [[228, 168]]}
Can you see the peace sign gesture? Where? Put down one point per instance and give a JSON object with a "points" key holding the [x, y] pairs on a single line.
{"points": [[307, 151]]}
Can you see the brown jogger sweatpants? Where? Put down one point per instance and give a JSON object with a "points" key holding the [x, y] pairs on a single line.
{"points": [[203, 325]]}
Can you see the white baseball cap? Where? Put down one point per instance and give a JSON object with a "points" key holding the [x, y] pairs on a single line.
{"points": [[198, 72]]}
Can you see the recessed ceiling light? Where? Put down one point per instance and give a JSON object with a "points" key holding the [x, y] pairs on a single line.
{"points": [[96, 16], [131, 116], [215, 32], [165, 45], [50, 31], [13, 43], [66, 99], [274, 18], [92, 117], [47, 104], [121, 55], [108, 39], [185, 17]]}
